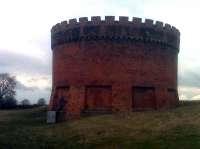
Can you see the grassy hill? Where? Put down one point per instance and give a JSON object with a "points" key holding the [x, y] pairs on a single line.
{"points": [[167, 129]]}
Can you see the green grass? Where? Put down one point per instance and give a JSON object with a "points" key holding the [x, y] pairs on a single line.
{"points": [[165, 129]]}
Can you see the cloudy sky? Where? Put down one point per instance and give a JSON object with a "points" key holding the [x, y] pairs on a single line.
{"points": [[25, 37]]}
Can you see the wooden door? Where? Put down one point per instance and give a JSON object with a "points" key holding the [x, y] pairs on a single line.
{"points": [[98, 97], [61, 98], [143, 98]]}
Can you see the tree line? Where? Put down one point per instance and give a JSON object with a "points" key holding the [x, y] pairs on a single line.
{"points": [[8, 92]]}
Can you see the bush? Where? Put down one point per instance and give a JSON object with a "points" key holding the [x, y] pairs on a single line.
{"points": [[8, 103], [25, 102], [41, 102]]}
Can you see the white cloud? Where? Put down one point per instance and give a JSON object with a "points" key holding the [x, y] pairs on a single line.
{"points": [[197, 97], [183, 97], [40, 82], [189, 91]]}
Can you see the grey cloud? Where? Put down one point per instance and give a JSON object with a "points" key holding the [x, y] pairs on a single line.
{"points": [[32, 93], [190, 78], [20, 86], [18, 63], [48, 89]]}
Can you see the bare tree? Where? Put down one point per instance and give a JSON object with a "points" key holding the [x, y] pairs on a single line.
{"points": [[8, 103], [7, 85]]}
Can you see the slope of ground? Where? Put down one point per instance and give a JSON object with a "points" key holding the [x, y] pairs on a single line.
{"points": [[166, 129]]}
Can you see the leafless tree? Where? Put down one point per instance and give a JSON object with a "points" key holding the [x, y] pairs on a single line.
{"points": [[7, 85]]}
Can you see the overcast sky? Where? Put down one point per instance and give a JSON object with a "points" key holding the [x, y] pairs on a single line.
{"points": [[25, 37]]}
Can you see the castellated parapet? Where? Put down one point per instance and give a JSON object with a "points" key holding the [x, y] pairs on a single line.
{"points": [[111, 29], [113, 65]]}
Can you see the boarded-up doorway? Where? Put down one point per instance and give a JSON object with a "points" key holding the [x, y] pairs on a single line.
{"points": [[98, 98], [61, 97], [173, 96], [143, 98], [60, 104]]}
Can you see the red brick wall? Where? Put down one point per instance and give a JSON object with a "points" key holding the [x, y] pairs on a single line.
{"points": [[98, 97], [115, 67], [143, 98]]}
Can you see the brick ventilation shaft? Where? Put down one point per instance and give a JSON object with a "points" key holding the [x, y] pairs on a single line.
{"points": [[113, 65]]}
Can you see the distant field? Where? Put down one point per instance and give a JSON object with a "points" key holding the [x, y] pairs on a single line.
{"points": [[166, 129]]}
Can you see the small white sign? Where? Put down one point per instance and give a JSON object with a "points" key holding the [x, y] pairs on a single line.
{"points": [[51, 117]]}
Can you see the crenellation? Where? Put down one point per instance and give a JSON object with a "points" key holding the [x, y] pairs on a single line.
{"points": [[123, 19], [83, 20], [56, 28], [159, 24], [175, 30], [148, 22], [109, 19], [167, 26], [72, 21], [53, 29], [95, 19], [63, 25], [131, 30], [137, 20]]}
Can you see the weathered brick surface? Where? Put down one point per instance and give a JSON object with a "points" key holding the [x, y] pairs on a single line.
{"points": [[120, 65]]}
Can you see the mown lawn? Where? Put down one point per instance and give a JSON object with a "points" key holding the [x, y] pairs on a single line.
{"points": [[166, 129]]}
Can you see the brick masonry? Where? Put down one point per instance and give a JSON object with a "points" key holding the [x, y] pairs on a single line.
{"points": [[113, 65]]}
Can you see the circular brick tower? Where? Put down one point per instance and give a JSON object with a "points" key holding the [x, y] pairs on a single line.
{"points": [[113, 65]]}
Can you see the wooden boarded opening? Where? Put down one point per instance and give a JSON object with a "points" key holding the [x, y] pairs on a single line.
{"points": [[173, 96], [98, 98], [143, 98], [61, 99]]}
